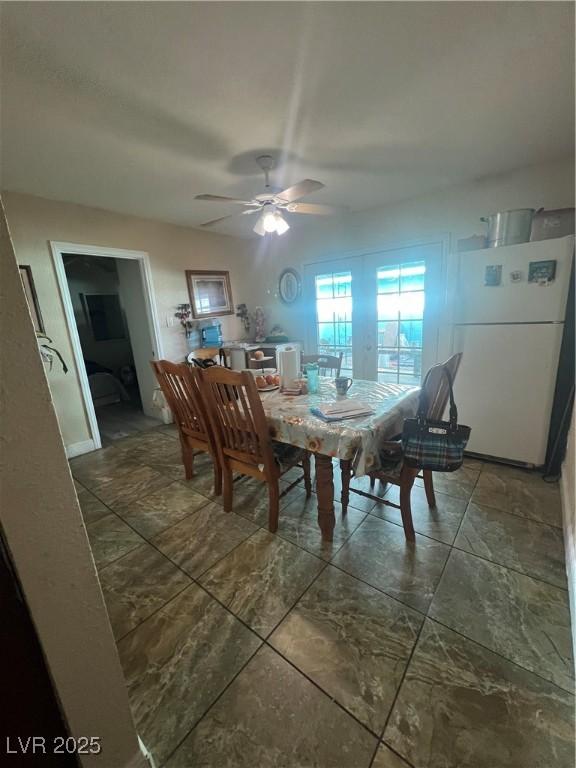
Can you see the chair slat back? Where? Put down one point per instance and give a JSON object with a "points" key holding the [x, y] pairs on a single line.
{"points": [[327, 364], [237, 415], [181, 387], [436, 390]]}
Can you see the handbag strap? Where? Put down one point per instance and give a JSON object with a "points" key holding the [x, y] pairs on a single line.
{"points": [[423, 402]]}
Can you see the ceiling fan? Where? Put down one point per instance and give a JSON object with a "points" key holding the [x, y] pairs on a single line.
{"points": [[272, 203]]}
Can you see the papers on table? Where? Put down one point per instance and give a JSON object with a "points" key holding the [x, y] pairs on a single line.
{"points": [[342, 409]]}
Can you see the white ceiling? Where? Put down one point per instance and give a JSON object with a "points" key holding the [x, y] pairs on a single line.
{"points": [[137, 107]]}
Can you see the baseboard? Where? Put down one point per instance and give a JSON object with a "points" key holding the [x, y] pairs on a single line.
{"points": [[77, 449], [568, 515]]}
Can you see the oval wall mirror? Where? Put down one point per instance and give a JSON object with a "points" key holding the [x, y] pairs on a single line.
{"points": [[289, 286]]}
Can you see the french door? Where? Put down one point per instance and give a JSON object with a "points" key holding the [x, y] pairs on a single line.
{"points": [[380, 310]]}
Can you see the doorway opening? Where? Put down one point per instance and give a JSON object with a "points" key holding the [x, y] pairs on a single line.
{"points": [[110, 315]]}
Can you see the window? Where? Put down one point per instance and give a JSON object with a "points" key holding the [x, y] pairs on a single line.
{"points": [[334, 316], [400, 322]]}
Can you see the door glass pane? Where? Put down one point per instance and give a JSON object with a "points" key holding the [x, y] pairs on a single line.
{"points": [[412, 276], [334, 316], [411, 333], [387, 333], [410, 368], [400, 322], [388, 280], [411, 305]]}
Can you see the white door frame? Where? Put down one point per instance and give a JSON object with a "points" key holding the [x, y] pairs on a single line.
{"points": [[58, 250]]}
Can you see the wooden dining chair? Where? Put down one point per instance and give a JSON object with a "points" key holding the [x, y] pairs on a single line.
{"points": [[243, 440], [180, 384], [393, 470], [329, 365]]}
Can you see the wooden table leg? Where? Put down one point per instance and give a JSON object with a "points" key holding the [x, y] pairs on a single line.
{"points": [[345, 472], [325, 493]]}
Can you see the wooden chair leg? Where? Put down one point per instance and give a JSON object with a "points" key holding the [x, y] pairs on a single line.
{"points": [[274, 505], [307, 480], [372, 480], [188, 458], [407, 477], [345, 473], [429, 488], [228, 489]]}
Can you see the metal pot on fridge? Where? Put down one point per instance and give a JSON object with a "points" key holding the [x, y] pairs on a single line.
{"points": [[509, 227]]}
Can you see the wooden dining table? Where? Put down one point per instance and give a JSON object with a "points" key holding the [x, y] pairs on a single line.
{"points": [[354, 442]]}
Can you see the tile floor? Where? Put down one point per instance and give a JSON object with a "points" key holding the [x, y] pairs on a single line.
{"points": [[123, 419], [242, 648]]}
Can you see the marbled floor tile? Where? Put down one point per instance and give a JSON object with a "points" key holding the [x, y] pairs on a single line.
{"points": [[110, 538], [136, 585], [92, 508], [202, 480], [251, 499], [261, 579], [170, 429], [161, 509], [295, 473], [144, 444], [379, 554], [506, 471], [177, 662], [131, 486], [201, 539], [299, 523], [93, 469], [441, 523], [462, 706], [353, 641], [169, 462], [525, 620], [533, 548], [471, 463], [272, 717], [459, 484], [385, 758], [355, 500], [156, 450], [520, 493]]}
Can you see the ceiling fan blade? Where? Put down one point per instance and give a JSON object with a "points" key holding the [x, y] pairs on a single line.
{"points": [[215, 221], [299, 190], [318, 210], [230, 216], [221, 199]]}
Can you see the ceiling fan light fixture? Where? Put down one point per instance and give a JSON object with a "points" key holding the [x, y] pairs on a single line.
{"points": [[269, 221], [282, 225]]}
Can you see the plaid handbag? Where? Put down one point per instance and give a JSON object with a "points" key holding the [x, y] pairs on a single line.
{"points": [[435, 445]]}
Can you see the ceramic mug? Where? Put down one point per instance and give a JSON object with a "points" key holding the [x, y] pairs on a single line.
{"points": [[343, 384]]}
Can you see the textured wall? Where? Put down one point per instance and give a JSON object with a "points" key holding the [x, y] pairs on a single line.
{"points": [[454, 211], [34, 222], [43, 528]]}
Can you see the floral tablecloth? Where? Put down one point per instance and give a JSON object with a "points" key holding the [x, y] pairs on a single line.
{"points": [[358, 439]]}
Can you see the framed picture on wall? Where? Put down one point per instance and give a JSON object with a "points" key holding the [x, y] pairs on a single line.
{"points": [[31, 297], [210, 293]]}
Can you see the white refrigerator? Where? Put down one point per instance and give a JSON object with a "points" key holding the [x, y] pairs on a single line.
{"points": [[510, 334]]}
